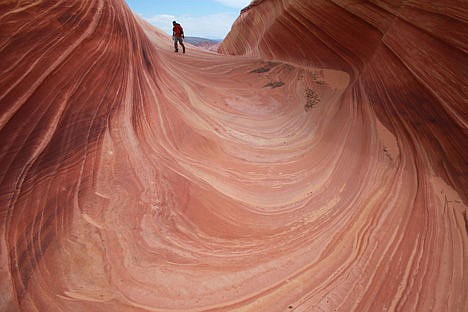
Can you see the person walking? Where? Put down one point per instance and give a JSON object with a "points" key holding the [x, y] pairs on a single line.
{"points": [[178, 36]]}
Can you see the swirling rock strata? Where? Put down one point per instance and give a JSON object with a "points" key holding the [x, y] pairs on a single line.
{"points": [[325, 170]]}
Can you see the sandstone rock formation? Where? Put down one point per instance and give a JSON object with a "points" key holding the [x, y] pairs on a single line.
{"points": [[323, 170]]}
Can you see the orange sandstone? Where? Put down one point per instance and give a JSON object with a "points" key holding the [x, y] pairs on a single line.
{"points": [[318, 165]]}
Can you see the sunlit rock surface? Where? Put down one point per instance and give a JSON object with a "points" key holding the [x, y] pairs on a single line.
{"points": [[323, 171]]}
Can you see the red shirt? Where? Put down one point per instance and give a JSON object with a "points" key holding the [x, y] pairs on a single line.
{"points": [[177, 30]]}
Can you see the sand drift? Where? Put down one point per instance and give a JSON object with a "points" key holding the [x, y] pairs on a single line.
{"points": [[317, 164]]}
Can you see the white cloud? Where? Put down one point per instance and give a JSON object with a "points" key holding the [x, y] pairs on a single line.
{"points": [[163, 22], [214, 26], [238, 4]]}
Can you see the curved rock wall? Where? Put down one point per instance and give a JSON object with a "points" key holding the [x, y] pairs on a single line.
{"points": [[323, 171], [409, 57]]}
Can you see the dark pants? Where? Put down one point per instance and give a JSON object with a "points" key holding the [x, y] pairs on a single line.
{"points": [[181, 41]]}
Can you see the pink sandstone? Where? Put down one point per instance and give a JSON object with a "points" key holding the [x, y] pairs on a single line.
{"points": [[318, 164]]}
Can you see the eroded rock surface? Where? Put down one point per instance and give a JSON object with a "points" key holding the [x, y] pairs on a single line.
{"points": [[323, 170]]}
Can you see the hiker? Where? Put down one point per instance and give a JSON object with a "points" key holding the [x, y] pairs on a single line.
{"points": [[178, 36]]}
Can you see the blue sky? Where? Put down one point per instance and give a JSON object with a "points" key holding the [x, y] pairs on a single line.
{"points": [[200, 18]]}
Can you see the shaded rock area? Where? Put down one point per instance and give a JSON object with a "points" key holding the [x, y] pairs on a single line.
{"points": [[319, 164]]}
